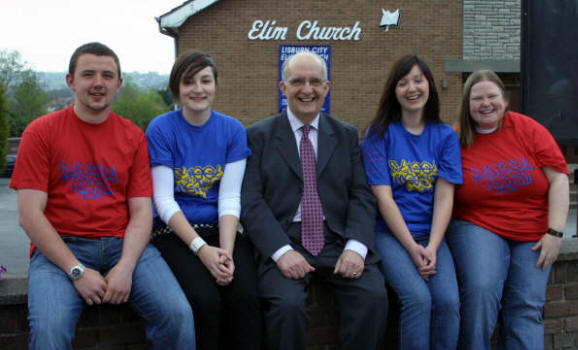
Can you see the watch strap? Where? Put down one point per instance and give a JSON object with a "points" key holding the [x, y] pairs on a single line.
{"points": [[555, 233]]}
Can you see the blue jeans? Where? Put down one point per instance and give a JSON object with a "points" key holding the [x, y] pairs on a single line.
{"points": [[495, 272], [430, 311], [54, 305]]}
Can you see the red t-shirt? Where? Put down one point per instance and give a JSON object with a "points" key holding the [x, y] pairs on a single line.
{"points": [[89, 171], [505, 190]]}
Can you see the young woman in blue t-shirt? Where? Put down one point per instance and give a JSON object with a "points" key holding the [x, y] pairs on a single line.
{"points": [[413, 161], [198, 160]]}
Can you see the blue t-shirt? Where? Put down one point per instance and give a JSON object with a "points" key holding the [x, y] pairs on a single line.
{"points": [[411, 164], [197, 155]]}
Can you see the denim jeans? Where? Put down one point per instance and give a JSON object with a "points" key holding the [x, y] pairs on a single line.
{"points": [[430, 311], [55, 306], [495, 272]]}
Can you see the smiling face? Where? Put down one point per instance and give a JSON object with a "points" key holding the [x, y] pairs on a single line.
{"points": [[95, 82], [412, 91], [487, 104], [305, 87], [197, 93]]}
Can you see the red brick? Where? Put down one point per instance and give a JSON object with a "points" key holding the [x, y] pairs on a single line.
{"points": [[571, 291], [572, 272], [572, 324], [554, 292], [558, 274], [248, 69], [560, 309], [548, 342], [553, 326], [565, 341]]}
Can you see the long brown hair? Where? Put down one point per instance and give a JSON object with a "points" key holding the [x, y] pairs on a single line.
{"points": [[389, 109]]}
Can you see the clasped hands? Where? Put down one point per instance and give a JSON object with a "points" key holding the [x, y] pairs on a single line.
{"points": [[113, 288], [425, 259], [294, 266], [219, 262]]}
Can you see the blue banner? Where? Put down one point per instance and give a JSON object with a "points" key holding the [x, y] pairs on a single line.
{"points": [[286, 51]]}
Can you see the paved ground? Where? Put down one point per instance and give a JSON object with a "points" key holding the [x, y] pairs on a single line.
{"points": [[14, 244]]}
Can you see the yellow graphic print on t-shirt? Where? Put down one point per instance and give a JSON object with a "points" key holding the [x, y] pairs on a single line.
{"points": [[417, 176], [198, 180]]}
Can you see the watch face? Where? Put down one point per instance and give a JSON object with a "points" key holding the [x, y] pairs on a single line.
{"points": [[76, 272]]}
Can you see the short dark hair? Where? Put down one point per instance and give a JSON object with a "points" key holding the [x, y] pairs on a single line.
{"points": [[389, 109], [186, 66], [94, 48]]}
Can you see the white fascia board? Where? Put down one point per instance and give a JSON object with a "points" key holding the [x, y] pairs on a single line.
{"points": [[176, 18]]}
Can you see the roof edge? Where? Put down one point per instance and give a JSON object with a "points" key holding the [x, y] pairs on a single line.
{"points": [[172, 20]]}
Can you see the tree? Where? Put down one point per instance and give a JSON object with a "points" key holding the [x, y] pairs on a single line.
{"points": [[27, 102], [10, 67], [27, 99], [139, 105], [4, 127]]}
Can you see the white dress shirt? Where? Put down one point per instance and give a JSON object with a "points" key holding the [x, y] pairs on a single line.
{"points": [[296, 125]]}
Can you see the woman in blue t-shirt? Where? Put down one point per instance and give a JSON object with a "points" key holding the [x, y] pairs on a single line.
{"points": [[198, 161], [413, 161]]}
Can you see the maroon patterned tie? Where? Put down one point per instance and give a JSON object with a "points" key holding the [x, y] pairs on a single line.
{"points": [[311, 210]]}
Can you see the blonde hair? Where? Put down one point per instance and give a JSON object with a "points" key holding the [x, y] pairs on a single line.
{"points": [[467, 130]]}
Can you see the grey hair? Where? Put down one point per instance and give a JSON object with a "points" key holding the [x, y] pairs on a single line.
{"points": [[305, 53]]}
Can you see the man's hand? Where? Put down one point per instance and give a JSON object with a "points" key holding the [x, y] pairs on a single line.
{"points": [[119, 283], [349, 265], [550, 247], [218, 262], [91, 286], [293, 265]]}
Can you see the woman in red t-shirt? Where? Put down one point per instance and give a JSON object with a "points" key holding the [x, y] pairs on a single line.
{"points": [[508, 217]]}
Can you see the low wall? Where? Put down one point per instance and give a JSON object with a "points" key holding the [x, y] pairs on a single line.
{"points": [[118, 327]]}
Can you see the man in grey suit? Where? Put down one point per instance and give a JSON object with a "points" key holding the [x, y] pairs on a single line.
{"points": [[308, 210]]}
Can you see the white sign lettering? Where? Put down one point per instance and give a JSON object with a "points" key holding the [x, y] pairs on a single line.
{"points": [[307, 30], [266, 31], [311, 31]]}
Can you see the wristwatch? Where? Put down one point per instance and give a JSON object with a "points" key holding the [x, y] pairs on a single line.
{"points": [[555, 233], [76, 272]]}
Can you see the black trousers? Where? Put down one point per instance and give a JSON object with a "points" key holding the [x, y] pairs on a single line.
{"points": [[225, 317], [362, 302]]}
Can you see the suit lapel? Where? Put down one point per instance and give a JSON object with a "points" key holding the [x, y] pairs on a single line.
{"points": [[286, 144], [325, 144]]}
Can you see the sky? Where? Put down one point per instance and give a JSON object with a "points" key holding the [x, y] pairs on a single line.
{"points": [[46, 32]]}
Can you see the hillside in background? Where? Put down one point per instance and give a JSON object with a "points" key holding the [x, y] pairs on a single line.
{"points": [[151, 80]]}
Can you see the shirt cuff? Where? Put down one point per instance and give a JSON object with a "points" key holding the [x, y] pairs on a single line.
{"points": [[279, 252], [357, 247]]}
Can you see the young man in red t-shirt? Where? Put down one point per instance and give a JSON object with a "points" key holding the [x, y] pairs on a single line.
{"points": [[84, 189]]}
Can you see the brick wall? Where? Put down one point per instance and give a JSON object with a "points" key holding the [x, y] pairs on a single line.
{"points": [[491, 29], [118, 327], [248, 69]]}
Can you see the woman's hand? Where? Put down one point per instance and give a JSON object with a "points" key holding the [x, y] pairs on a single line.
{"points": [[218, 262], [429, 268], [423, 260], [550, 247]]}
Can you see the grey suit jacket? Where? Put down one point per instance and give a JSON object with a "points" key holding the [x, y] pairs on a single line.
{"points": [[273, 183]]}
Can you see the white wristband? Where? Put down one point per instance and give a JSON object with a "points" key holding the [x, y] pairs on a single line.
{"points": [[196, 244]]}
